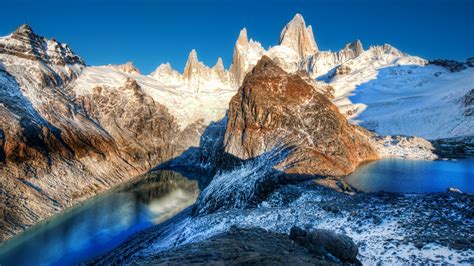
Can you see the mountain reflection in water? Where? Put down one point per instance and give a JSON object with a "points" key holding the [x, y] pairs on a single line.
{"points": [[102, 222]]}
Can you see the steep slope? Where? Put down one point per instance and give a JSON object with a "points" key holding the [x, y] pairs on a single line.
{"points": [[60, 147], [273, 108]]}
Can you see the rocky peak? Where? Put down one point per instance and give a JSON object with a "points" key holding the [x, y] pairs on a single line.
{"points": [[242, 40], [246, 54], [165, 73], [219, 69], [129, 68], [24, 43], [193, 67], [356, 47], [273, 108], [24, 29], [300, 38]]}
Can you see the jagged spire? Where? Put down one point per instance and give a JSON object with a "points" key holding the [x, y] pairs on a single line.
{"points": [[219, 68], [356, 47], [243, 39], [299, 37], [191, 64]]}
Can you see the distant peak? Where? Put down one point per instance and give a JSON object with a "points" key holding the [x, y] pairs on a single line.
{"points": [[129, 68], [300, 38], [243, 39], [219, 64], [298, 18], [25, 28], [192, 65], [356, 47], [192, 57]]}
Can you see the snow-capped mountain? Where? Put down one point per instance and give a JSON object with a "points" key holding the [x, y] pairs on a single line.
{"points": [[69, 131]]}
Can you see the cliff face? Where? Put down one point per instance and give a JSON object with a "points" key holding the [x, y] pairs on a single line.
{"points": [[59, 147], [273, 108]]}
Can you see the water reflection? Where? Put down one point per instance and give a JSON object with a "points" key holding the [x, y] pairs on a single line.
{"points": [[398, 175], [103, 222]]}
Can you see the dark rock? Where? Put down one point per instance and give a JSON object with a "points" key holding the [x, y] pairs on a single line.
{"points": [[238, 246], [470, 62], [419, 245], [320, 241], [451, 65]]}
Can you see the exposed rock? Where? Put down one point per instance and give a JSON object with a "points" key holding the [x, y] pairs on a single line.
{"points": [[451, 65], [459, 147], [58, 148], [470, 62], [219, 69], [128, 68], [24, 43], [342, 70], [238, 246], [299, 37], [404, 147], [273, 108], [245, 56], [166, 73], [356, 47], [197, 74], [468, 103], [320, 241]]}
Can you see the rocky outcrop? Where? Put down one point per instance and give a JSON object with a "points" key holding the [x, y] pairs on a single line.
{"points": [[273, 108], [129, 68], [298, 37], [468, 103], [405, 147], [319, 242], [238, 246], [451, 65]]}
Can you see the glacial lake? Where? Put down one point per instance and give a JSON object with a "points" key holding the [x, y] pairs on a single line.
{"points": [[417, 176], [101, 223]]}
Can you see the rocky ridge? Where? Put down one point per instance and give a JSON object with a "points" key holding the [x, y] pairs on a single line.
{"points": [[59, 148]]}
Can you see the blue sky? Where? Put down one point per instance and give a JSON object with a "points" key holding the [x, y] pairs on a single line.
{"points": [[151, 32]]}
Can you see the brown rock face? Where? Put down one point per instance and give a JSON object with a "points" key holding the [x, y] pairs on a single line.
{"points": [[273, 108]]}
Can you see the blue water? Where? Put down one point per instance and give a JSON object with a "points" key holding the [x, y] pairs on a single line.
{"points": [[101, 223], [417, 176]]}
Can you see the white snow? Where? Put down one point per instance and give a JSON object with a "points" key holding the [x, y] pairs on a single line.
{"points": [[396, 94], [184, 102]]}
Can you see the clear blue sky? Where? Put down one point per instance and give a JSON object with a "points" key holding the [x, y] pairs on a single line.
{"points": [[151, 32]]}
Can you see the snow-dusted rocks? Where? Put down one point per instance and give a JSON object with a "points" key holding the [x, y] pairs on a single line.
{"points": [[24, 43]]}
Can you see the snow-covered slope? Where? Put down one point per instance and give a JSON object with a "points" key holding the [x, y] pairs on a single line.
{"points": [[182, 100], [394, 93]]}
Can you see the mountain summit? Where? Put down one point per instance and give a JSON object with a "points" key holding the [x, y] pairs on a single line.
{"points": [[299, 37]]}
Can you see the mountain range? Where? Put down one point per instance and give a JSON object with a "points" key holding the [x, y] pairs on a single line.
{"points": [[69, 131]]}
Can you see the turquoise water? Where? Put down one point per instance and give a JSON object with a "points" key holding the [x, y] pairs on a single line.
{"points": [[399, 175], [101, 223]]}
